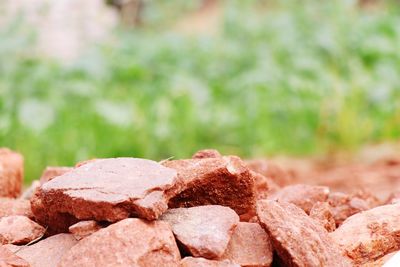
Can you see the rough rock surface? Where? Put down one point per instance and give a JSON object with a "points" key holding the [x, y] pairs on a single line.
{"points": [[203, 231], [394, 261], [367, 236], [321, 212], [12, 206], [302, 195], [105, 190], [206, 153], [249, 246], [222, 181], [263, 185], [52, 172], [296, 238], [130, 242], [48, 252], [11, 173], [84, 228], [9, 259], [344, 205], [30, 191], [201, 262], [19, 230]]}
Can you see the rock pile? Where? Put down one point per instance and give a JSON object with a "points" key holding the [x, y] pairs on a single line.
{"points": [[210, 210]]}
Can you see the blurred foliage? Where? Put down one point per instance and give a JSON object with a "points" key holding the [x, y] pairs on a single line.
{"points": [[294, 77]]}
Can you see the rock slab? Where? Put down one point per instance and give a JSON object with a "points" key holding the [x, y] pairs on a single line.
{"points": [[9, 259], [297, 239], [105, 190], [203, 231], [222, 181], [130, 242]]}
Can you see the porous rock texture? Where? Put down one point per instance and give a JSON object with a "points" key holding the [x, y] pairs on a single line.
{"points": [[105, 190], [368, 235], [297, 239], [201, 262], [222, 181], [130, 242], [302, 195], [47, 252], [11, 173], [19, 230], [203, 231], [249, 246], [321, 212]]}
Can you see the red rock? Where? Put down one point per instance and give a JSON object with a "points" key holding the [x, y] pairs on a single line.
{"points": [[302, 195], [389, 259], [206, 153], [270, 170], [12, 206], [344, 205], [84, 228], [9, 259], [52, 172], [201, 262], [393, 198], [19, 230], [297, 239], [11, 173], [222, 181], [203, 231], [105, 190], [48, 252], [130, 242], [368, 235], [321, 212], [249, 246]]}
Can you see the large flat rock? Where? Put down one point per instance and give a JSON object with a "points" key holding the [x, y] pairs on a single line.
{"points": [[106, 190], [369, 235], [130, 242], [222, 181], [203, 231], [9, 259], [297, 239], [12, 206], [11, 173]]}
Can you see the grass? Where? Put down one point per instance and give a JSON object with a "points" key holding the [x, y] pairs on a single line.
{"points": [[294, 78]]}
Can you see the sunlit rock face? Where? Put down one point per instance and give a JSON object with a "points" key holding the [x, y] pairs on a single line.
{"points": [[64, 27]]}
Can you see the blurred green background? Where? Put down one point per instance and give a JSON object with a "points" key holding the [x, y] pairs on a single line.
{"points": [[279, 77]]}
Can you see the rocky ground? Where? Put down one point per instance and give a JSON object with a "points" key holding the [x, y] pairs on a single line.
{"points": [[210, 210]]}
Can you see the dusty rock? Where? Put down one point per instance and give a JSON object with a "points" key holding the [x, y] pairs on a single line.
{"points": [[249, 246], [302, 195], [52, 172], [11, 173], [321, 212], [203, 231], [105, 190], [368, 235], [48, 252], [297, 239], [9, 259], [222, 181], [344, 205], [271, 170], [130, 242], [84, 228], [206, 153], [19, 230], [12, 206], [201, 262]]}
